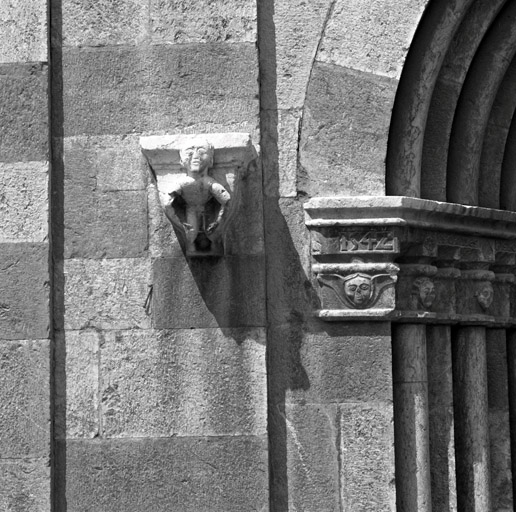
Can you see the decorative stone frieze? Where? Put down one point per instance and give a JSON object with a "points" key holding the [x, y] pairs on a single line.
{"points": [[199, 179], [412, 260]]}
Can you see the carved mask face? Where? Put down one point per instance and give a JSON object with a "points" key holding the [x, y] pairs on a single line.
{"points": [[358, 290], [197, 158], [426, 293], [485, 295]]}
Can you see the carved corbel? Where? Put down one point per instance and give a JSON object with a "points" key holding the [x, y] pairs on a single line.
{"points": [[356, 289], [199, 178]]}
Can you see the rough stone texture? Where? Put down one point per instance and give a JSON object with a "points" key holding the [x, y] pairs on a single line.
{"points": [[371, 36], [344, 132], [204, 21], [208, 292], [104, 224], [23, 31], [24, 202], [500, 449], [184, 382], [283, 136], [111, 162], [291, 31], [440, 409], [77, 384], [25, 485], [25, 399], [499, 427], [24, 282], [229, 474], [106, 294], [367, 457], [100, 22], [104, 197], [312, 457], [205, 88], [347, 364], [290, 295], [23, 112]]}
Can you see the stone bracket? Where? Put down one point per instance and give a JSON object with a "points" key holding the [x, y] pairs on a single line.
{"points": [[412, 260], [200, 204]]}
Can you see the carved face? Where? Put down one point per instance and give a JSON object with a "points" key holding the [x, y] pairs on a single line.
{"points": [[197, 158], [485, 295], [358, 290], [425, 292]]}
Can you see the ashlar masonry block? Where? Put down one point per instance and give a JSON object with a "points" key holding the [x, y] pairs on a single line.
{"points": [[193, 382]]}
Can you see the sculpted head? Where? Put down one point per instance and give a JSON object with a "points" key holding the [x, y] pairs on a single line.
{"points": [[197, 158], [423, 290], [485, 295], [358, 289]]}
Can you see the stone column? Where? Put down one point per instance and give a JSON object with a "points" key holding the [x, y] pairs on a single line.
{"points": [[440, 405], [411, 418], [471, 419], [511, 364]]}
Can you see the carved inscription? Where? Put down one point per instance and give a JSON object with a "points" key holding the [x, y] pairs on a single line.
{"points": [[369, 241]]}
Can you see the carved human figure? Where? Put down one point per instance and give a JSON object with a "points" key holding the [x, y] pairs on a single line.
{"points": [[484, 295], [197, 188], [423, 293], [358, 289]]}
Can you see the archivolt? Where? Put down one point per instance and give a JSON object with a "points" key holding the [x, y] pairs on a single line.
{"points": [[452, 124]]}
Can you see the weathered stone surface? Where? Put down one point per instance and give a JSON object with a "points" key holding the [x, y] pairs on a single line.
{"points": [[500, 449], [23, 112], [291, 31], [23, 31], [109, 162], [184, 382], [208, 292], [104, 224], [312, 457], [229, 474], [100, 22], [205, 21], [25, 399], [24, 291], [24, 202], [25, 485], [346, 365], [289, 291], [207, 88], [371, 36], [367, 457], [106, 294], [77, 384], [282, 138], [344, 132]]}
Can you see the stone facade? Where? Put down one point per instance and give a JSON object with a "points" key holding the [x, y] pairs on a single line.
{"points": [[326, 323]]}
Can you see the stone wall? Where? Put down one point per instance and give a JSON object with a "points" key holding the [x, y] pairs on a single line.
{"points": [[24, 259], [137, 378], [160, 360]]}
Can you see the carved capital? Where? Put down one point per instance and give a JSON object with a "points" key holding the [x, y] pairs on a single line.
{"points": [[426, 241]]}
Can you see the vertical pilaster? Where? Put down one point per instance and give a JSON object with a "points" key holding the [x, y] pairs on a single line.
{"points": [[25, 348]]}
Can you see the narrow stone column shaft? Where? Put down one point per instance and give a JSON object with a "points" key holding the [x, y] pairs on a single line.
{"points": [[411, 418], [471, 420], [511, 364], [440, 405]]}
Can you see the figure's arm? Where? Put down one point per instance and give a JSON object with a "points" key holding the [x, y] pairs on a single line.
{"points": [[223, 197]]}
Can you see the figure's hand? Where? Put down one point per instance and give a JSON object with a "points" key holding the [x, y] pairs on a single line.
{"points": [[188, 227], [212, 227]]}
